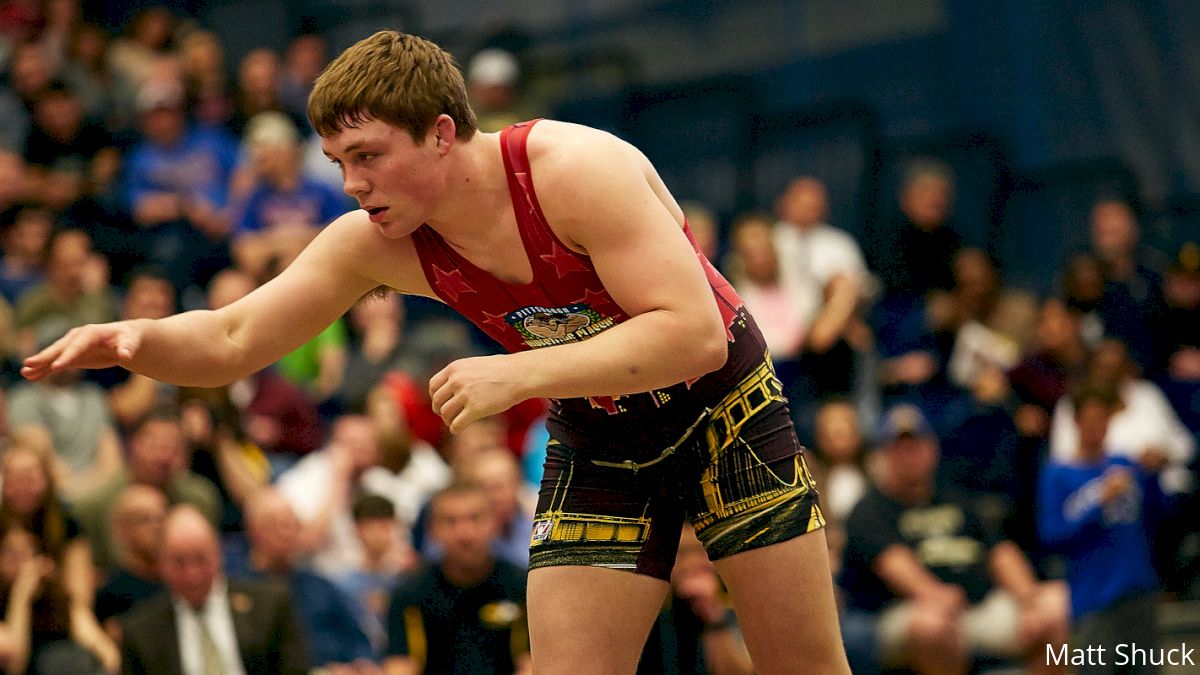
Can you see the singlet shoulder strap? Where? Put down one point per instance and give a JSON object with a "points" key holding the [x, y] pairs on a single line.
{"points": [[539, 238], [513, 138]]}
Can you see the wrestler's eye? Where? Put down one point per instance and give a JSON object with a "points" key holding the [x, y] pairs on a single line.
{"points": [[367, 156]]}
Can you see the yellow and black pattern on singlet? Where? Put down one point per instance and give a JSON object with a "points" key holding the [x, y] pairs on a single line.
{"points": [[738, 475]]}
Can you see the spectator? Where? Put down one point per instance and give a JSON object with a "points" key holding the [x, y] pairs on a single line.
{"points": [[1132, 279], [257, 90], [840, 459], [318, 366], [24, 241], [466, 613], [983, 453], [913, 358], [149, 295], [284, 210], [157, 458], [207, 624], [697, 632], [60, 19], [823, 263], [1083, 291], [986, 323], [29, 500], [755, 273], [203, 60], [494, 87], [75, 291], [279, 417], [1179, 331], [222, 453], [377, 345], [320, 486], [30, 72], [410, 470], [148, 37], [73, 415], [328, 620], [476, 439], [496, 470], [106, 95], [1041, 379], [46, 632], [137, 520], [69, 158], [1146, 428], [918, 255], [1099, 510], [370, 584], [176, 186], [946, 588], [304, 59]]}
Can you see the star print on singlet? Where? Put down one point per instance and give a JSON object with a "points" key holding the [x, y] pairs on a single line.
{"points": [[593, 298], [451, 283], [563, 261], [497, 321]]}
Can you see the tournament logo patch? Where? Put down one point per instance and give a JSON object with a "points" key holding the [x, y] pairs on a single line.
{"points": [[541, 530], [548, 326]]}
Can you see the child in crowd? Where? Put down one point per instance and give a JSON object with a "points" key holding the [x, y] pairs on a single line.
{"points": [[1099, 511]]}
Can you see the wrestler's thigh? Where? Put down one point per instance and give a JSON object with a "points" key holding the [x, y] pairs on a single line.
{"points": [[585, 620], [783, 596]]}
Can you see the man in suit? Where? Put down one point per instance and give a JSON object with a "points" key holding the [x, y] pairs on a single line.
{"points": [[205, 625]]}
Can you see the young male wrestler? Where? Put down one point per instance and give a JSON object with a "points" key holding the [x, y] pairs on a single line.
{"points": [[563, 244]]}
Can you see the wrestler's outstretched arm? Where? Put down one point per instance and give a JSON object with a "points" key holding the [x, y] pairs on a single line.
{"points": [[602, 195], [211, 348]]}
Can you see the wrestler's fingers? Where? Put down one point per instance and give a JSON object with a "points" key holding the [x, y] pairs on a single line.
{"points": [[438, 381], [451, 411], [34, 373], [438, 398], [77, 340], [462, 419], [47, 356], [127, 345]]}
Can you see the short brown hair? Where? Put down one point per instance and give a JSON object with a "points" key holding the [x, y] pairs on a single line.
{"points": [[392, 77], [458, 488]]}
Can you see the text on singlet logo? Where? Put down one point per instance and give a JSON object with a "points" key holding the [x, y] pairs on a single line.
{"points": [[549, 326]]}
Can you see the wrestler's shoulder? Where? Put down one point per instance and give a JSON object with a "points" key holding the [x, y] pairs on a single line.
{"points": [[353, 238], [569, 146]]}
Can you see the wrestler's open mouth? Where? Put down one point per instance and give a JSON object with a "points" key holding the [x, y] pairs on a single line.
{"points": [[376, 213]]}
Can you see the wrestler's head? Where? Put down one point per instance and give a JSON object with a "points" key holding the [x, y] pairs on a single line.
{"points": [[392, 77]]}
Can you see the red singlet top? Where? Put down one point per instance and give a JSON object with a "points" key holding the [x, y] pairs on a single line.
{"points": [[566, 302]]}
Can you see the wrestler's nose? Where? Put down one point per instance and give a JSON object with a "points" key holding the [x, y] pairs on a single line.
{"points": [[354, 184]]}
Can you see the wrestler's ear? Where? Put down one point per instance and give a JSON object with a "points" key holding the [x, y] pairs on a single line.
{"points": [[444, 133]]}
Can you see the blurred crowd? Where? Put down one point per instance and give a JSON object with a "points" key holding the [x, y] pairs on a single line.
{"points": [[984, 455]]}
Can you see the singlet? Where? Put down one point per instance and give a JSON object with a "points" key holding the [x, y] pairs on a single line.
{"points": [[566, 302]]}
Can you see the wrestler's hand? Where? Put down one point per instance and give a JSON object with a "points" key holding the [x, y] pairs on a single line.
{"points": [[473, 388], [92, 346]]}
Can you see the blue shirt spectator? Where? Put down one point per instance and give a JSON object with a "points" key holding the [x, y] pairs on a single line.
{"points": [[1106, 541], [197, 166], [309, 203]]}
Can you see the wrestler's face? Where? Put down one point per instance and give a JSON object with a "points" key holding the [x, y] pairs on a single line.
{"points": [[396, 180]]}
